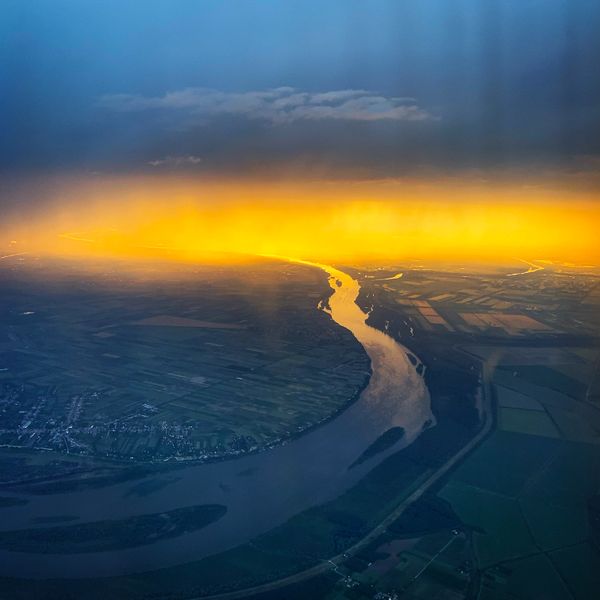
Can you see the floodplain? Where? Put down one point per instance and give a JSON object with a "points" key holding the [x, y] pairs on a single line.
{"points": [[496, 499]]}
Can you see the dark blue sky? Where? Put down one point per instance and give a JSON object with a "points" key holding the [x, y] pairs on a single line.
{"points": [[325, 88]]}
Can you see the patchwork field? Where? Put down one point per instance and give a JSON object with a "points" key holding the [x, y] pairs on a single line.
{"points": [[518, 517], [213, 361]]}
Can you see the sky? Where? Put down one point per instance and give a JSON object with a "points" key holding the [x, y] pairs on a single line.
{"points": [[464, 93]]}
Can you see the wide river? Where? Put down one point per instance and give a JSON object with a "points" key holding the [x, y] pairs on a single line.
{"points": [[261, 490]]}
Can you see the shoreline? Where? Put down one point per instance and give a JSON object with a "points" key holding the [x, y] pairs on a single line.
{"points": [[395, 395], [172, 464]]}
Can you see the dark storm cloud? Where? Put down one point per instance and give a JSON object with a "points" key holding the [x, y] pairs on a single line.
{"points": [[340, 88]]}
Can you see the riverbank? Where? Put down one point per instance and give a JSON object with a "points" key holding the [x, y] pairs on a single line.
{"points": [[262, 491]]}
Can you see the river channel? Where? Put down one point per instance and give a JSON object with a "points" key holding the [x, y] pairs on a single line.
{"points": [[260, 490]]}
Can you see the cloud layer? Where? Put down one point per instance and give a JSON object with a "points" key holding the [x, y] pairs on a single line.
{"points": [[277, 106], [175, 161]]}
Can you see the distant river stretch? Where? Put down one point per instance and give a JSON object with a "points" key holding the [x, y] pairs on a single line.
{"points": [[261, 490]]}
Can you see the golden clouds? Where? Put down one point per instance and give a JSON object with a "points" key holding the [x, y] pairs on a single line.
{"points": [[191, 220]]}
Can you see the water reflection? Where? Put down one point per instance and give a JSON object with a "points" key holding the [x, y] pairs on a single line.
{"points": [[260, 491]]}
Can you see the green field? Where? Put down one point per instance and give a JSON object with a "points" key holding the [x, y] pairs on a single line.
{"points": [[500, 530]]}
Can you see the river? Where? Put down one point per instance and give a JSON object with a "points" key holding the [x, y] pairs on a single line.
{"points": [[261, 490]]}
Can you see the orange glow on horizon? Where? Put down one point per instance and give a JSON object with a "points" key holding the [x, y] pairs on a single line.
{"points": [[328, 222]]}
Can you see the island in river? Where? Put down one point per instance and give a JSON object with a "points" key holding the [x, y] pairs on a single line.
{"points": [[260, 491]]}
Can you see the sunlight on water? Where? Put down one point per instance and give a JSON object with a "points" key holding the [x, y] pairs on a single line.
{"points": [[392, 372]]}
